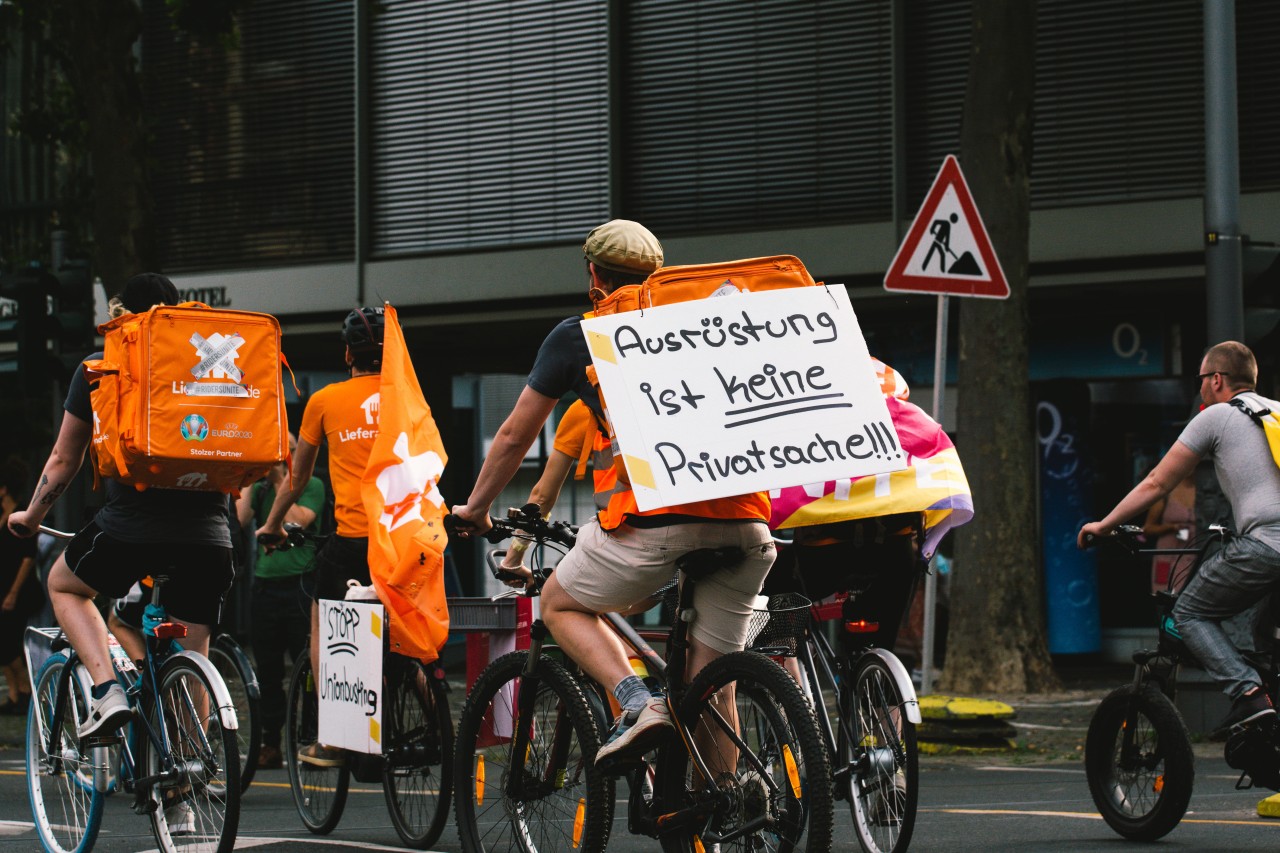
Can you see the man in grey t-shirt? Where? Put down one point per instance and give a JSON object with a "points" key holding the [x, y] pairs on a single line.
{"points": [[1247, 568]]}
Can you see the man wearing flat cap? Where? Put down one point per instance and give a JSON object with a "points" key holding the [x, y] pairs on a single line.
{"points": [[624, 555]]}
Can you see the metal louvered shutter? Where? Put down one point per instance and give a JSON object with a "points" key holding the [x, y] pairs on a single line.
{"points": [[756, 114], [254, 146], [489, 123], [1119, 107], [1258, 73], [937, 71]]}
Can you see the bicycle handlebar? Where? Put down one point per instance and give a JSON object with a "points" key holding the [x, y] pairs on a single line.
{"points": [[57, 534], [527, 523], [1128, 537]]}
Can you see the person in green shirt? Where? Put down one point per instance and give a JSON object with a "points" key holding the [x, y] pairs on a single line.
{"points": [[281, 611]]}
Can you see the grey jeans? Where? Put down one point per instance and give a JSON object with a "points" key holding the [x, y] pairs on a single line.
{"points": [[1242, 573]]}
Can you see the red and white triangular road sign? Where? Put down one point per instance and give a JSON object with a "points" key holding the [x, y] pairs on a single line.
{"points": [[947, 250]]}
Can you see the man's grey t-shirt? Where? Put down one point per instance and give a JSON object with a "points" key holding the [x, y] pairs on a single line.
{"points": [[1243, 462]]}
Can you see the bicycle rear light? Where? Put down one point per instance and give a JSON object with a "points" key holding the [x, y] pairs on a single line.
{"points": [[171, 631], [861, 626]]}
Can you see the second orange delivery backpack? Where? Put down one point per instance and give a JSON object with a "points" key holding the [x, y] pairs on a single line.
{"points": [[188, 397]]}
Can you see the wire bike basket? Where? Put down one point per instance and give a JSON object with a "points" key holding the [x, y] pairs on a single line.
{"points": [[775, 631]]}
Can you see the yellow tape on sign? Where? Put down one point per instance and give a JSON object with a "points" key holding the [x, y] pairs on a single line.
{"points": [[639, 472], [375, 625], [601, 347], [375, 730]]}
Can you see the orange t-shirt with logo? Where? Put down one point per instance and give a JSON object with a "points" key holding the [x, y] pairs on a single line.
{"points": [[345, 414]]}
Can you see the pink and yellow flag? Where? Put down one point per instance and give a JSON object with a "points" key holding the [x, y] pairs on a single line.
{"points": [[405, 508], [933, 483]]}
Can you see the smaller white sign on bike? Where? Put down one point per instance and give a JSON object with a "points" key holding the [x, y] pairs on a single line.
{"points": [[349, 683]]}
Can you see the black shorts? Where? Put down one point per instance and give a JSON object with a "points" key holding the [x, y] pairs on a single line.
{"points": [[337, 560], [199, 574]]}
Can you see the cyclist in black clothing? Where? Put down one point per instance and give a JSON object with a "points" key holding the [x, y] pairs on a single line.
{"points": [[182, 534]]}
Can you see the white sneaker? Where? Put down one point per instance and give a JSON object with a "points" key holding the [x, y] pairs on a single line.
{"points": [[180, 818], [107, 714], [637, 732]]}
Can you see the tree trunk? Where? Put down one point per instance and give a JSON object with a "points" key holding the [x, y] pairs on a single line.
{"points": [[996, 640], [97, 41]]}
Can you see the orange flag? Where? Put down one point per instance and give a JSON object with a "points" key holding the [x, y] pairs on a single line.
{"points": [[405, 509]]}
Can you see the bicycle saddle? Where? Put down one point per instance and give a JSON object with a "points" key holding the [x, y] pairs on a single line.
{"points": [[704, 562]]}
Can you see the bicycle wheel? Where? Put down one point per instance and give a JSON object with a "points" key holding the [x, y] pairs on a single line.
{"points": [[319, 793], [778, 776], [1139, 763], [234, 667], [884, 788], [65, 802], [198, 792], [560, 802], [418, 747], [759, 717]]}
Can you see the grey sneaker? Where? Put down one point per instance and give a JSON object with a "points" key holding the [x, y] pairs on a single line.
{"points": [[106, 714], [637, 732], [890, 802], [180, 818]]}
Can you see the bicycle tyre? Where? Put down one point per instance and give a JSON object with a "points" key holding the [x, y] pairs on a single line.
{"points": [[202, 758], [65, 803], [230, 661], [760, 714], [797, 796], [419, 752], [1141, 791], [884, 787], [579, 798], [319, 793]]}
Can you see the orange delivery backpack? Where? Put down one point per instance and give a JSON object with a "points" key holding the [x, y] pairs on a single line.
{"points": [[668, 285], [697, 281], [188, 397]]}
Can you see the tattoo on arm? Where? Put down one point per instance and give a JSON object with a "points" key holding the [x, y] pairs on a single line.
{"points": [[43, 498], [44, 481]]}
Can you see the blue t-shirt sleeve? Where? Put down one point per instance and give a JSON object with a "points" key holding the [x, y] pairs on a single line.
{"points": [[562, 360], [77, 402]]}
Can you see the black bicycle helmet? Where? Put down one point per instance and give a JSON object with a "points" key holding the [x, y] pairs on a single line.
{"points": [[362, 330]]}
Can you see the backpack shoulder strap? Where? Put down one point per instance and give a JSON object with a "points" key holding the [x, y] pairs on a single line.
{"points": [[1255, 414]]}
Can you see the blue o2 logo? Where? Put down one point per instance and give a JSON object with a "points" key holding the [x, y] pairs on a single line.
{"points": [[194, 428]]}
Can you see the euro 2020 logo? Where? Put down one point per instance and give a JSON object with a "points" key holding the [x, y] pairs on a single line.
{"points": [[194, 428]]}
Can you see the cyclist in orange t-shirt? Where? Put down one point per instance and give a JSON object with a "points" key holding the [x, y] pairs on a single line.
{"points": [[345, 416]]}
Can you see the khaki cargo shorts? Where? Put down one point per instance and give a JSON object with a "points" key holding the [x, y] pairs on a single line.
{"points": [[613, 570]]}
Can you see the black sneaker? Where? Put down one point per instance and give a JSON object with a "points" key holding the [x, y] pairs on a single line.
{"points": [[1248, 708]]}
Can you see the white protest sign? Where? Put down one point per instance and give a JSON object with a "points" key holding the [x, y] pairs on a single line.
{"points": [[349, 683], [742, 393]]}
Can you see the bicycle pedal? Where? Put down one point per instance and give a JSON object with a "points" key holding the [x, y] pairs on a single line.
{"points": [[101, 741]]}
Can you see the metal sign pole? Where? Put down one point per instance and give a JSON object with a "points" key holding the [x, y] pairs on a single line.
{"points": [[931, 578]]}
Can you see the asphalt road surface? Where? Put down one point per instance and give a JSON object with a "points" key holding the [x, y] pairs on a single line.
{"points": [[970, 803], [1032, 797]]}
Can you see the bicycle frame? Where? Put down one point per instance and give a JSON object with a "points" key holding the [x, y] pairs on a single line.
{"points": [[143, 695], [642, 819]]}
